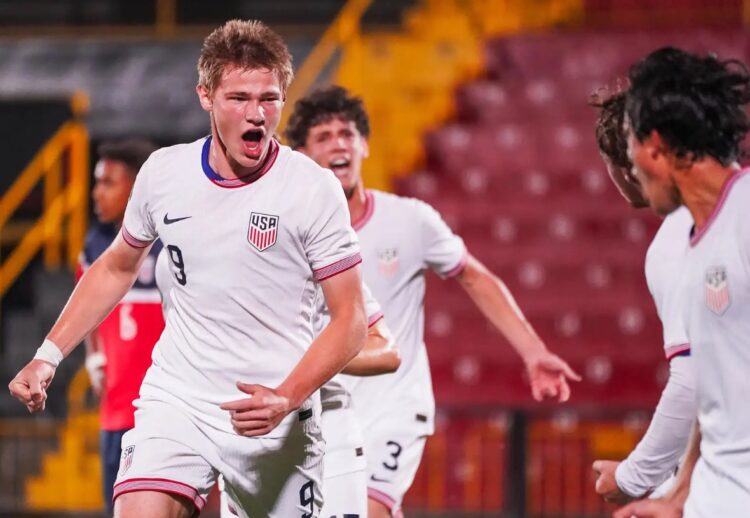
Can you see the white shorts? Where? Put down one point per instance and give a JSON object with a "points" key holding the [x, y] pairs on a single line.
{"points": [[344, 465], [169, 451], [393, 456], [713, 495]]}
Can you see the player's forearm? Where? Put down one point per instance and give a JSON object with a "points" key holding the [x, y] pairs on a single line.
{"points": [[496, 302], [658, 453], [98, 291], [335, 347], [378, 356], [681, 488]]}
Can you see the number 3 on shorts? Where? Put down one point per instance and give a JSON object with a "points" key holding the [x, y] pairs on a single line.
{"points": [[307, 498], [395, 452]]}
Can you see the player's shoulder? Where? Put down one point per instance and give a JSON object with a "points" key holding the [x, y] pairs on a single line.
{"points": [[673, 231], [400, 203], [304, 169], [678, 222], [741, 188], [175, 156]]}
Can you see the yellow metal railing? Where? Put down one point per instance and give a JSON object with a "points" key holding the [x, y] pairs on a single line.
{"points": [[62, 166], [341, 30]]}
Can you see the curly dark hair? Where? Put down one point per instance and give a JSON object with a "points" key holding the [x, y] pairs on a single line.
{"points": [[695, 103], [610, 133], [132, 152], [321, 106]]}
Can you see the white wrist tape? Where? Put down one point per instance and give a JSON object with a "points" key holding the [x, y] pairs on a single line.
{"points": [[49, 353]]}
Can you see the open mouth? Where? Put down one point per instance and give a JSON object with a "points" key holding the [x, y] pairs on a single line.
{"points": [[339, 166], [252, 135], [252, 139]]}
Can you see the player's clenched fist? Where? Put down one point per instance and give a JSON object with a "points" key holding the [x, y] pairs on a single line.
{"points": [[260, 413], [606, 483], [30, 385]]}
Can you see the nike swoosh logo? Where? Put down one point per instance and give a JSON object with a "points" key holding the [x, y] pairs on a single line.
{"points": [[168, 221]]}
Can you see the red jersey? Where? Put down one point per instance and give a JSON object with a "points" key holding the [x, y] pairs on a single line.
{"points": [[127, 335]]}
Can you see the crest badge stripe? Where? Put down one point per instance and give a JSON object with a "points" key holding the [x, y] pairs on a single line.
{"points": [[717, 289], [263, 230]]}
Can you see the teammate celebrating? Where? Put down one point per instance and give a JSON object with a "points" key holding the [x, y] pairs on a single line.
{"points": [[118, 352], [252, 228], [685, 123], [656, 456], [402, 238]]}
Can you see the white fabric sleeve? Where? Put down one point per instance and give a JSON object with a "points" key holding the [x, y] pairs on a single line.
{"points": [[372, 306], [138, 226], [444, 252], [330, 242], [658, 453]]}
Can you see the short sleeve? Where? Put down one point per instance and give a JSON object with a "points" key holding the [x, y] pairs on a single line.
{"points": [[444, 252], [330, 242], [372, 306], [138, 227]]}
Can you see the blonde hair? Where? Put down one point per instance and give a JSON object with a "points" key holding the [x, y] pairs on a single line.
{"points": [[247, 44]]}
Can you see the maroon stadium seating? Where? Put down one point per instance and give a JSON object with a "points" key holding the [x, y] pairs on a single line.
{"points": [[517, 174]]}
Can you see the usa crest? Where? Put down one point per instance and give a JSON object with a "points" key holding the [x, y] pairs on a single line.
{"points": [[388, 262], [717, 289], [127, 459], [264, 230]]}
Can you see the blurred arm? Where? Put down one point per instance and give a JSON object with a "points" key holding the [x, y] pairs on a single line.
{"points": [[659, 452], [492, 297], [378, 356]]}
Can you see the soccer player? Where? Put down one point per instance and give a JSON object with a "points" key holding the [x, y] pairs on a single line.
{"points": [[252, 230], [118, 352], [655, 457], [344, 476], [686, 121], [401, 238]]}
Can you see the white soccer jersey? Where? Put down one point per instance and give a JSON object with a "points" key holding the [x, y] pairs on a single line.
{"points": [[335, 393], [245, 258], [664, 261], [401, 238], [717, 313]]}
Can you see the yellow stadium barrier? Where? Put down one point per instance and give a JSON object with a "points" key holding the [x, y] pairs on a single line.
{"points": [[65, 199]]}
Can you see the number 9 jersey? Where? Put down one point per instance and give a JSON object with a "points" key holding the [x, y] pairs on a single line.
{"points": [[246, 257]]}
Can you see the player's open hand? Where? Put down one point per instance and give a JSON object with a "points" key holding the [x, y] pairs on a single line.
{"points": [[31, 383], [606, 484], [657, 508], [258, 414], [548, 374]]}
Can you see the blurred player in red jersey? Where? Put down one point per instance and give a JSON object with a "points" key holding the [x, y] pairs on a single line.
{"points": [[118, 352]]}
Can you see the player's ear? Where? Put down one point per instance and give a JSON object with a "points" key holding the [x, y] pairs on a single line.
{"points": [[654, 145], [205, 97]]}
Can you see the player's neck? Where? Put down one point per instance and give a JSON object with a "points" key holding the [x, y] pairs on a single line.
{"points": [[357, 203], [226, 167], [702, 187]]}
